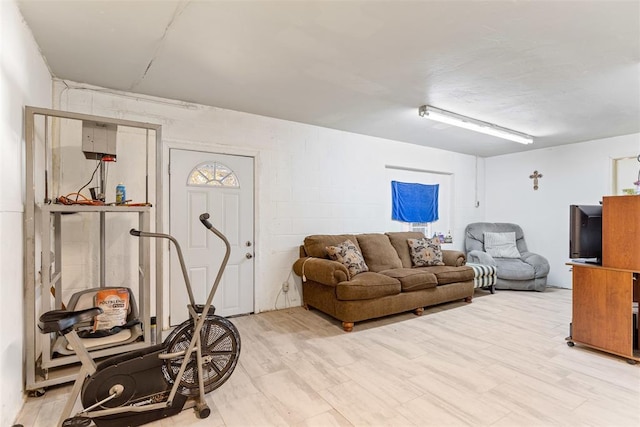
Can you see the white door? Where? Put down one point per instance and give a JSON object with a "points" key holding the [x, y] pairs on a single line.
{"points": [[221, 185]]}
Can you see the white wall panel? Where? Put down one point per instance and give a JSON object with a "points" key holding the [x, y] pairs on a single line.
{"points": [[24, 80], [572, 174], [314, 180]]}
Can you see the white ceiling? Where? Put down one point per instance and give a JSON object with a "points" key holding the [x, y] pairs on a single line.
{"points": [[562, 71]]}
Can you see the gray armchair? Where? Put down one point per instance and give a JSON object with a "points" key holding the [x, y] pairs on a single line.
{"points": [[529, 271]]}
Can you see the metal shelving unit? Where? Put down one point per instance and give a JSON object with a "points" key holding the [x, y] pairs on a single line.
{"points": [[43, 249]]}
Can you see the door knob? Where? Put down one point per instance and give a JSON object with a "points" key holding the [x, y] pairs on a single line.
{"points": [[248, 255]]}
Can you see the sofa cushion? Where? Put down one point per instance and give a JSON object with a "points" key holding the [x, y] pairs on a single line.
{"points": [[501, 245], [316, 244], [514, 269], [412, 279], [348, 255], [367, 285], [447, 274], [378, 252], [399, 241], [425, 252]]}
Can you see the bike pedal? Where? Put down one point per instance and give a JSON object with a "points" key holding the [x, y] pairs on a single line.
{"points": [[77, 422]]}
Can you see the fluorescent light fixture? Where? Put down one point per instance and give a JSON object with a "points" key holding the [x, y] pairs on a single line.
{"points": [[473, 124]]}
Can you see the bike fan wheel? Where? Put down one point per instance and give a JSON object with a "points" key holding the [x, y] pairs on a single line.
{"points": [[220, 342]]}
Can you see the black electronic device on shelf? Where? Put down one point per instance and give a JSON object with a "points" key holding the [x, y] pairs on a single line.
{"points": [[585, 233]]}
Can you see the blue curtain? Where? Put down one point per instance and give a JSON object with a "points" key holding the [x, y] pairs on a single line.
{"points": [[414, 202]]}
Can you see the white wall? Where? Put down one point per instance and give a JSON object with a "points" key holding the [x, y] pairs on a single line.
{"points": [[308, 180], [572, 174], [24, 80]]}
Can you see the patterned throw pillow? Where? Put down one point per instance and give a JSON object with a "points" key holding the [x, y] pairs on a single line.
{"points": [[425, 252], [348, 254]]}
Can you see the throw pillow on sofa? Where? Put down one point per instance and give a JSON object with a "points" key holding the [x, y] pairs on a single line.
{"points": [[425, 252], [501, 245], [348, 254]]}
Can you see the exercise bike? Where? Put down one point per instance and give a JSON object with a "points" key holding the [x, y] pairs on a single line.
{"points": [[156, 382]]}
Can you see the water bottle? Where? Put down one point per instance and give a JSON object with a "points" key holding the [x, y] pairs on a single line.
{"points": [[121, 194]]}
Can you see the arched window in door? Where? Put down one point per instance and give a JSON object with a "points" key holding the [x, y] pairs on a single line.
{"points": [[213, 175]]}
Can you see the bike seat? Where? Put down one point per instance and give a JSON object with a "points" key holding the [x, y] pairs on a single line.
{"points": [[63, 320]]}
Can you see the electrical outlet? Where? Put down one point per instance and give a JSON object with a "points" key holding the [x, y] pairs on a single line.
{"points": [[285, 286]]}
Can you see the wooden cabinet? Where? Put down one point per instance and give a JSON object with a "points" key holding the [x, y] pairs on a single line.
{"points": [[602, 309], [603, 296], [621, 232]]}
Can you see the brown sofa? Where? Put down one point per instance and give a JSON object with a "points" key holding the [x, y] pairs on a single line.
{"points": [[390, 286]]}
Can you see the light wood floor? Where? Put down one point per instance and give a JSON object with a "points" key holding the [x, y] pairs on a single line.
{"points": [[499, 361]]}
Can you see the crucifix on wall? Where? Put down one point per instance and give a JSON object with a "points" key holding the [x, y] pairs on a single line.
{"points": [[535, 177]]}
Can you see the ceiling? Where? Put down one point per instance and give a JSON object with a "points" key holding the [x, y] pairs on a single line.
{"points": [[562, 71]]}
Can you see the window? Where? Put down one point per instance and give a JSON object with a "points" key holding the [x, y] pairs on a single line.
{"points": [[213, 175], [445, 198], [423, 227], [625, 173]]}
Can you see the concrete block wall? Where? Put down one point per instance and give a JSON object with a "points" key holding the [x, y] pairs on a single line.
{"points": [[309, 180]]}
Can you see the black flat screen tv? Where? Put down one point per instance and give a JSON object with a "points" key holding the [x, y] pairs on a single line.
{"points": [[585, 233]]}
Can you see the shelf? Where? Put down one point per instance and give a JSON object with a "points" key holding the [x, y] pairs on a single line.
{"points": [[53, 362], [53, 208], [86, 238], [53, 277]]}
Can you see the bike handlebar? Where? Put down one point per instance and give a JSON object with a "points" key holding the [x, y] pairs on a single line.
{"points": [[204, 219]]}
